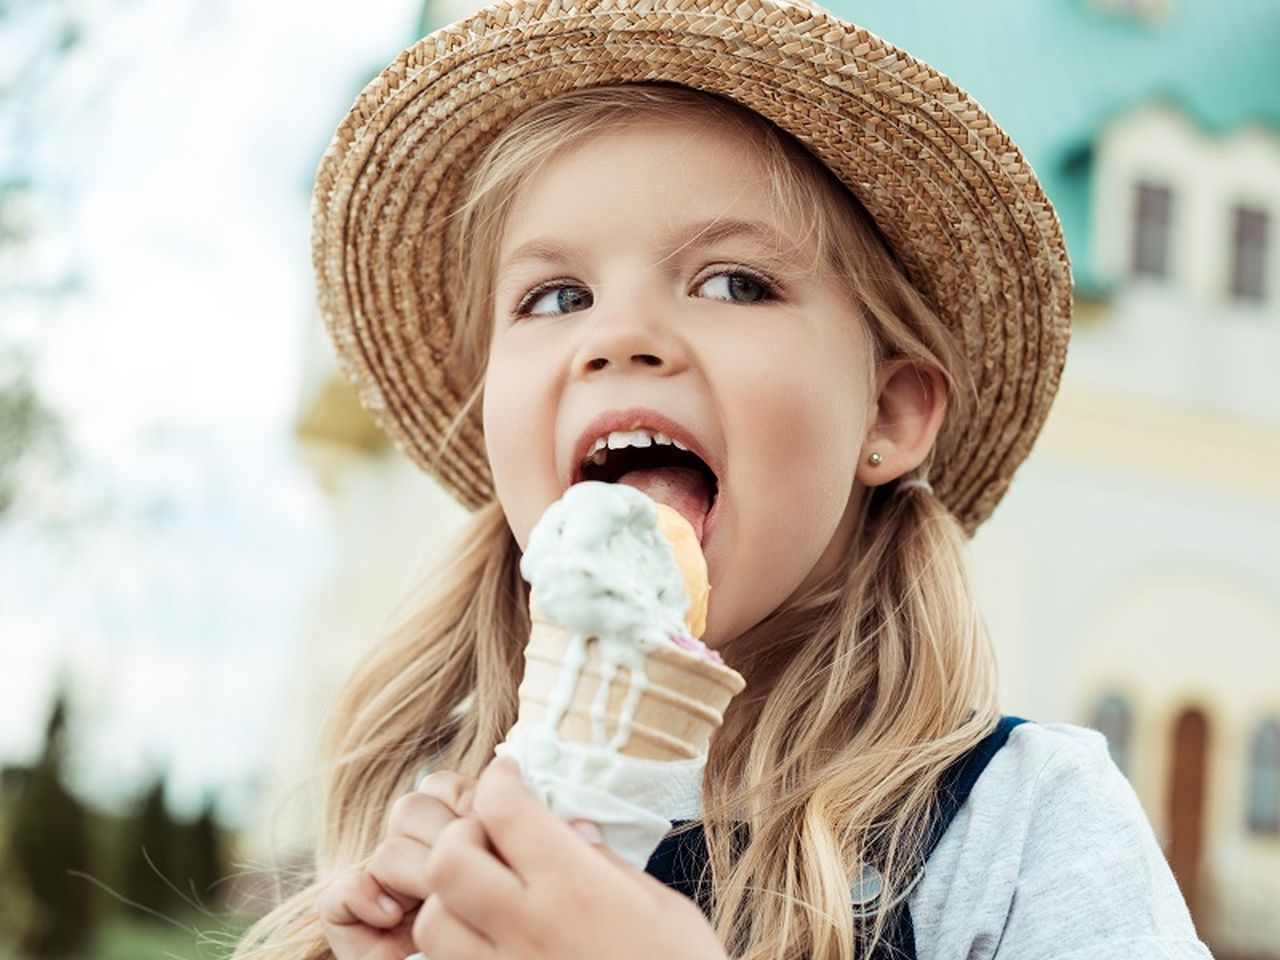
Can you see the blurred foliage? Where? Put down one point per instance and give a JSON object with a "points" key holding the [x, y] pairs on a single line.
{"points": [[32, 441], [44, 37], [78, 882], [17, 220], [193, 936], [147, 854], [48, 838], [170, 864], [205, 865]]}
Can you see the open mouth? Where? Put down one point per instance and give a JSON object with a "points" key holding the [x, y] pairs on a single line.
{"points": [[668, 473]]}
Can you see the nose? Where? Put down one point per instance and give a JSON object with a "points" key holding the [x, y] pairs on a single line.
{"points": [[628, 339]]}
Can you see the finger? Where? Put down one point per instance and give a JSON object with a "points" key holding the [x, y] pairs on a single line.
{"points": [[524, 833], [439, 932], [470, 881], [399, 866], [543, 837], [452, 789], [594, 837], [419, 816], [355, 897]]}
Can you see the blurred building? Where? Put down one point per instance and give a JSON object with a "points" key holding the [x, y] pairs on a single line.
{"points": [[1132, 575], [388, 521]]}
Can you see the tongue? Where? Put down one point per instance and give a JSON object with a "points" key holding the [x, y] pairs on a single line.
{"points": [[680, 488]]}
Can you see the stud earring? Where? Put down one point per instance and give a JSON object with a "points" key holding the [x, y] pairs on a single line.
{"points": [[875, 459]]}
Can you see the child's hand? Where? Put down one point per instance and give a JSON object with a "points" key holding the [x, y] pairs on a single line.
{"points": [[367, 913], [515, 882]]}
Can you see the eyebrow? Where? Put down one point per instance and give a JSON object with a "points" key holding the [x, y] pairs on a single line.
{"points": [[706, 232]]}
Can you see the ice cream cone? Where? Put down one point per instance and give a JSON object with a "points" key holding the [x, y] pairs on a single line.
{"points": [[619, 697], [669, 715]]}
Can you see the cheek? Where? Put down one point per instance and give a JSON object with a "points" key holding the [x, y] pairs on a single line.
{"points": [[801, 431], [519, 440], [802, 466], [796, 430]]}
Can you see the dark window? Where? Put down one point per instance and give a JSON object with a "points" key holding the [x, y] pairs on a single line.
{"points": [[1249, 254], [1151, 225], [1111, 718], [1264, 779]]}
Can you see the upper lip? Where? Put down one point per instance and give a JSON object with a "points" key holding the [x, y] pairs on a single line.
{"points": [[637, 418]]}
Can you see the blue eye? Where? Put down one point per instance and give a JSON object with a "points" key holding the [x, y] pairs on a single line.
{"points": [[742, 287], [558, 297], [567, 298]]}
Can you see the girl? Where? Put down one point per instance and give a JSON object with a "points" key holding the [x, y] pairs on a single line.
{"points": [[820, 265]]}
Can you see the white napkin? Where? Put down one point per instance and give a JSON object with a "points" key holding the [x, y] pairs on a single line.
{"points": [[632, 800]]}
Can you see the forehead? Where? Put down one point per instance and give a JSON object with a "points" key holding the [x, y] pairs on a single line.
{"points": [[661, 180]]}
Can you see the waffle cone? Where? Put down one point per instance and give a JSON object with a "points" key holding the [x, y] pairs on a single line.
{"points": [[682, 704]]}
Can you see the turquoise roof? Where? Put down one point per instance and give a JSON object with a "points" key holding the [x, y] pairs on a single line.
{"points": [[1053, 72]]}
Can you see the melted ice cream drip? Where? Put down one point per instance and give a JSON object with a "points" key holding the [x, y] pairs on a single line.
{"points": [[603, 571], [600, 568]]}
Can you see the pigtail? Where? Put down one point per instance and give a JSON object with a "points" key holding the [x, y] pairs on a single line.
{"points": [[836, 758]]}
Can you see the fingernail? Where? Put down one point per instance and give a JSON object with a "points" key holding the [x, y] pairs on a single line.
{"points": [[589, 832], [387, 904]]}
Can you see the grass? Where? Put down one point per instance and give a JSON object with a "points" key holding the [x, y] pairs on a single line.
{"points": [[125, 938], [189, 936]]}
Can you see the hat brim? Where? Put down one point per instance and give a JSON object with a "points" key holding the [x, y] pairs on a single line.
{"points": [[948, 188]]}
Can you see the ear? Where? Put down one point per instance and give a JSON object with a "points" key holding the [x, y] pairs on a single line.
{"points": [[911, 401]]}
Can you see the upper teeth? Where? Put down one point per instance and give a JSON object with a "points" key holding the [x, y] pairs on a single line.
{"points": [[627, 438]]}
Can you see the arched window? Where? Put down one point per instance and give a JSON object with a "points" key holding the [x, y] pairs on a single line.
{"points": [[1264, 779], [1113, 719]]}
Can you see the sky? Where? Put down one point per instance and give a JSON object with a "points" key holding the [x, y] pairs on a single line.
{"points": [[171, 157]]}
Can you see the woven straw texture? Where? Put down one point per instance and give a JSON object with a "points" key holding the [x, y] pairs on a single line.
{"points": [[949, 189]]}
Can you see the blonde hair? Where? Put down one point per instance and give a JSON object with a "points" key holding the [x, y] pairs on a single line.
{"points": [[859, 694]]}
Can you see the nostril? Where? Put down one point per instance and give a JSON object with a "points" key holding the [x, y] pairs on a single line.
{"points": [[649, 359], [598, 363]]}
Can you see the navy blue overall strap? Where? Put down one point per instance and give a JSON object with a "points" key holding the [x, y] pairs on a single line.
{"points": [[957, 782], [954, 787], [681, 857]]}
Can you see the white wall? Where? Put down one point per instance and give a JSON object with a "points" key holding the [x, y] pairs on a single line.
{"points": [[389, 521], [1185, 339]]}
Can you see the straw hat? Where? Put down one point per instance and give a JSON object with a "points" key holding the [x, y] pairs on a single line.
{"points": [[949, 189]]}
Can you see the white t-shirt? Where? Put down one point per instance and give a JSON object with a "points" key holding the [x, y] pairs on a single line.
{"points": [[1051, 856]]}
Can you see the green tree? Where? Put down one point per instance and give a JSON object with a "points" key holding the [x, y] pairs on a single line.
{"points": [[210, 868], [197, 859], [49, 844], [150, 855]]}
